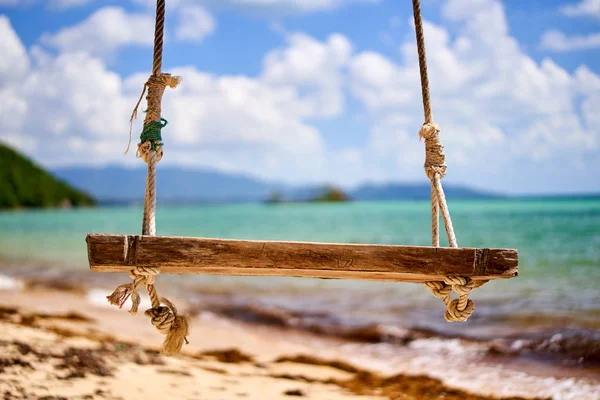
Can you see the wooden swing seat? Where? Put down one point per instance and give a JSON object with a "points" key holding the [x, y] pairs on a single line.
{"points": [[183, 255]]}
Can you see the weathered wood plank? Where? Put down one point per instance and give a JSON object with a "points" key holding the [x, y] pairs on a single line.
{"points": [[181, 255]]}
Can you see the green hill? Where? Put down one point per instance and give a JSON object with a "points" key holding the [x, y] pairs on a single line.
{"points": [[24, 184]]}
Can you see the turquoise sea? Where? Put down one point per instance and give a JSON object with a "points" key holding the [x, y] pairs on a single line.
{"points": [[556, 293]]}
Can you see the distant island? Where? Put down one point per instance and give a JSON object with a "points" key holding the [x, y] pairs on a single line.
{"points": [[331, 194], [327, 193], [23, 184]]}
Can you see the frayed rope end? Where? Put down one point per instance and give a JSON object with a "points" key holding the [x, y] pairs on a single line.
{"points": [[176, 336], [120, 295]]}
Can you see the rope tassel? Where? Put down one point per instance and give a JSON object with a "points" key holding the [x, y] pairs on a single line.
{"points": [[120, 295]]}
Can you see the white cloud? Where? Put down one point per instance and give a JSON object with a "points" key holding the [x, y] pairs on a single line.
{"points": [[237, 113], [195, 23], [587, 81], [590, 109], [109, 29], [583, 8], [378, 83], [558, 41], [14, 62], [103, 32], [312, 67]]}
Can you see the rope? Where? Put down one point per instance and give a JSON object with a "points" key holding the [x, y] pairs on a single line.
{"points": [[155, 86], [458, 310], [164, 318], [422, 61], [150, 149], [159, 29], [149, 218]]}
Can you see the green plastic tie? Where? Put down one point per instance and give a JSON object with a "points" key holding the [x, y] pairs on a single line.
{"points": [[151, 133]]}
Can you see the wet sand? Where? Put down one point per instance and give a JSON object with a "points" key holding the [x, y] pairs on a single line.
{"points": [[60, 343]]}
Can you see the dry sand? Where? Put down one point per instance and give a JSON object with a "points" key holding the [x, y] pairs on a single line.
{"points": [[55, 344]]}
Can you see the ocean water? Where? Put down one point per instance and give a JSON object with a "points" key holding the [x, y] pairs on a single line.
{"points": [[556, 292]]}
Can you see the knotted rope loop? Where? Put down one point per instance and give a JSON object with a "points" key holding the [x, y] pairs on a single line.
{"points": [[460, 284], [459, 311], [167, 322], [146, 273], [162, 318], [439, 289], [435, 159]]}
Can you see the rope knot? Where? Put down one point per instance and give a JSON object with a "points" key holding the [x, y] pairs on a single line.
{"points": [[456, 313], [167, 322], [429, 130], [435, 158], [162, 318], [147, 274], [460, 284], [458, 310], [155, 85], [439, 289], [163, 80]]}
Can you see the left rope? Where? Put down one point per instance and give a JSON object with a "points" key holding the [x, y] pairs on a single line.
{"points": [[164, 317]]}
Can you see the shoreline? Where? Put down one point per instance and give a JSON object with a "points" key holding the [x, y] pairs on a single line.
{"points": [[561, 341], [446, 363]]}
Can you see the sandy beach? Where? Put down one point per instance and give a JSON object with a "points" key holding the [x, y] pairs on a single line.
{"points": [[67, 344]]}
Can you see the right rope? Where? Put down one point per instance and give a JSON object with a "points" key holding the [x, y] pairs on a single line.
{"points": [[458, 310]]}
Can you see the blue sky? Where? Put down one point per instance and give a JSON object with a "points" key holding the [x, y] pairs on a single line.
{"points": [[314, 90]]}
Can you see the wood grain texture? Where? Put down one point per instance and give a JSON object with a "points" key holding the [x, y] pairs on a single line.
{"points": [[181, 255]]}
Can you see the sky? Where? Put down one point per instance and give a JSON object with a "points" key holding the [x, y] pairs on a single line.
{"points": [[312, 91]]}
